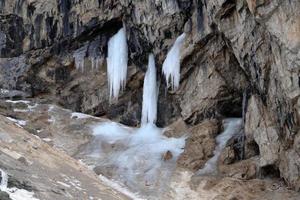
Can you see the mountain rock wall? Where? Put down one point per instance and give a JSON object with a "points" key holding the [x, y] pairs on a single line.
{"points": [[241, 58]]}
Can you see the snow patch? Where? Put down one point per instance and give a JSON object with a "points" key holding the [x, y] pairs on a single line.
{"points": [[17, 101], [78, 115], [19, 123], [119, 188]]}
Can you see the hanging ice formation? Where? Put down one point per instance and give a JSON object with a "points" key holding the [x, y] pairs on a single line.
{"points": [[117, 63], [79, 56], [149, 109], [171, 65], [94, 54]]}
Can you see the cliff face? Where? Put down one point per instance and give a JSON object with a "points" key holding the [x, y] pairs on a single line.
{"points": [[240, 58]]}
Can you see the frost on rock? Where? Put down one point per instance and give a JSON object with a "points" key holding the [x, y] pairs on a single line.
{"points": [[171, 65], [232, 127], [117, 63], [149, 109]]}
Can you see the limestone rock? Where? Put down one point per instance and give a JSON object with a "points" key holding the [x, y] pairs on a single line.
{"points": [[245, 169], [176, 129]]}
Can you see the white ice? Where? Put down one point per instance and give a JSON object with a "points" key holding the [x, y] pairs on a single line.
{"points": [[17, 122], [232, 127], [117, 63], [171, 65], [4, 180], [14, 193], [78, 115], [140, 161], [150, 93]]}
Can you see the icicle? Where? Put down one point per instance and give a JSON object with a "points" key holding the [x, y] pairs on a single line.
{"points": [[171, 65], [117, 63], [149, 110], [79, 56], [95, 62], [94, 53], [4, 180]]}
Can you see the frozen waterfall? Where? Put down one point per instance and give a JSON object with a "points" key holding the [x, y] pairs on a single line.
{"points": [[171, 65], [117, 63], [149, 110], [232, 126], [4, 180]]}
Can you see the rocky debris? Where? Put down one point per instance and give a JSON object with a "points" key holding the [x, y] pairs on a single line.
{"points": [[244, 170], [200, 145], [227, 156], [65, 178], [185, 186], [167, 156]]}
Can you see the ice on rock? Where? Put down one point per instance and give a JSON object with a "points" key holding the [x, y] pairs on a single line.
{"points": [[4, 180], [117, 63], [171, 65], [232, 127], [139, 163], [149, 109], [14, 193]]}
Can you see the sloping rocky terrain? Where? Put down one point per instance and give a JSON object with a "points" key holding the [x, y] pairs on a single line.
{"points": [[241, 58]]}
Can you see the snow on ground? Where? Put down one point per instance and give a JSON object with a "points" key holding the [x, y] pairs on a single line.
{"points": [[19, 123]]}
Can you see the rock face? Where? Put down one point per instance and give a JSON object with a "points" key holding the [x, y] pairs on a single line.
{"points": [[240, 58], [199, 145]]}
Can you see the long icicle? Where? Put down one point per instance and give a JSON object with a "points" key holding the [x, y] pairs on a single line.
{"points": [[149, 109], [171, 65], [117, 63]]}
